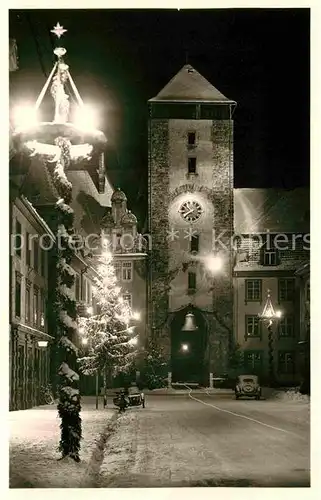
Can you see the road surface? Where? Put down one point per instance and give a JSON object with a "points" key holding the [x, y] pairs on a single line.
{"points": [[209, 441]]}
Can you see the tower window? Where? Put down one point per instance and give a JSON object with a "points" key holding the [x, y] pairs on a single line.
{"points": [[191, 138], [195, 244], [191, 282], [192, 165]]}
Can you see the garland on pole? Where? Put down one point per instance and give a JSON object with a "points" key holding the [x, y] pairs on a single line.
{"points": [[69, 406], [271, 358]]}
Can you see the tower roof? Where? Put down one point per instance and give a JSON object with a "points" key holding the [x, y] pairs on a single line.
{"points": [[189, 85]]}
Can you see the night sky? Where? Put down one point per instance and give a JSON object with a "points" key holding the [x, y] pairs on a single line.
{"points": [[121, 58]]}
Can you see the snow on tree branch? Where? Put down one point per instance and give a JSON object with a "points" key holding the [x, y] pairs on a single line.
{"points": [[65, 342], [68, 372]]}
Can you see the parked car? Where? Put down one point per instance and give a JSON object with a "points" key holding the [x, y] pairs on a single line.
{"points": [[247, 385]]}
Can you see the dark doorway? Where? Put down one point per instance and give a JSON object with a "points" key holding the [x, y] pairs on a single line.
{"points": [[188, 348]]}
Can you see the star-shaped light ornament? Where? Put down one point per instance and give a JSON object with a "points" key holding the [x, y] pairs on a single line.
{"points": [[58, 30]]}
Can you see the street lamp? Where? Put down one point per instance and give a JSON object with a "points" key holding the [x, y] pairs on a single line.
{"points": [[185, 347], [42, 343], [60, 143], [269, 315], [213, 263]]}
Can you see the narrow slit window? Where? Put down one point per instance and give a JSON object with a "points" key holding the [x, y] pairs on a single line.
{"points": [[192, 165]]}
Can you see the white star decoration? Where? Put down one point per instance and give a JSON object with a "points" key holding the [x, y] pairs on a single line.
{"points": [[190, 233], [58, 30], [173, 234]]}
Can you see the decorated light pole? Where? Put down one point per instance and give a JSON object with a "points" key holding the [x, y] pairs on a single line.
{"points": [[268, 316], [59, 143]]}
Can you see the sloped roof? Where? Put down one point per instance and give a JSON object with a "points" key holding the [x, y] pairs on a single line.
{"points": [[89, 206], [189, 85], [276, 210]]}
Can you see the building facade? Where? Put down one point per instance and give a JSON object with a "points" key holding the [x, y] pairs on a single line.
{"points": [[119, 226], [29, 344]]}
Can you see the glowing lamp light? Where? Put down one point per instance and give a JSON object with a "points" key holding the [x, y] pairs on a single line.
{"points": [[278, 314], [90, 310], [185, 347], [84, 341], [213, 263], [24, 116], [42, 343], [136, 316], [85, 118]]}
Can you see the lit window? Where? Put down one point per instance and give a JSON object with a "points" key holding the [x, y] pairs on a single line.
{"points": [[127, 297], [252, 327], [253, 290], [127, 271]]}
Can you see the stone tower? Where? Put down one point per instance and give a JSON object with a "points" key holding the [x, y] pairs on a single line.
{"points": [[190, 207]]}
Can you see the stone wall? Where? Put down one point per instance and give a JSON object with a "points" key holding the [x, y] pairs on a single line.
{"points": [[169, 185]]}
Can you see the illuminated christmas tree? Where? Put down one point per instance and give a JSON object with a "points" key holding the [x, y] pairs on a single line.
{"points": [[109, 337]]}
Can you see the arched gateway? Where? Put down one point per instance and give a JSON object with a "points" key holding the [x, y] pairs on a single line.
{"points": [[189, 339]]}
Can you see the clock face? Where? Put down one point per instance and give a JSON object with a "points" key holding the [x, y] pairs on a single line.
{"points": [[190, 211]]}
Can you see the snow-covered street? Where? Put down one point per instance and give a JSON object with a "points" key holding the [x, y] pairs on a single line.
{"points": [[208, 441], [177, 440], [34, 438]]}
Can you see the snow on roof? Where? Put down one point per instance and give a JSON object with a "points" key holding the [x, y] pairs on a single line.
{"points": [[189, 85], [89, 206], [37, 216], [274, 210]]}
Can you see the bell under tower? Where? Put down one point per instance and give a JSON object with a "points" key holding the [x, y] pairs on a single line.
{"points": [[191, 222]]}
